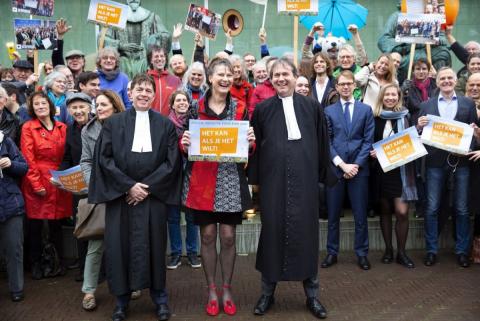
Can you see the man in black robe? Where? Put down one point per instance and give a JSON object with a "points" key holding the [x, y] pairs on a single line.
{"points": [[137, 174], [291, 158]]}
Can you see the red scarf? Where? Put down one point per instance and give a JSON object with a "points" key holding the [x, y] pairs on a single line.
{"points": [[423, 86]]}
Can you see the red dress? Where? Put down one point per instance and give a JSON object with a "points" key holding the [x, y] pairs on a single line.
{"points": [[43, 150]]}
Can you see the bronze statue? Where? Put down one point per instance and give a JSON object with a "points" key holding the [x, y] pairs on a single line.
{"points": [[144, 28]]}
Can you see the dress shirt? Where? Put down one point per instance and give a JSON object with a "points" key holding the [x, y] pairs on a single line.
{"points": [[290, 118], [447, 109], [142, 140]]}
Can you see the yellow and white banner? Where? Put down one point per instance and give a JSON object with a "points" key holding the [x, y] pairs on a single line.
{"points": [[450, 135], [298, 7], [399, 149], [108, 13]]}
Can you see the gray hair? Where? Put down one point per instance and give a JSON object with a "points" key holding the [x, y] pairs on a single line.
{"points": [[349, 48], [196, 65], [237, 58], [259, 64], [106, 51], [50, 79]]}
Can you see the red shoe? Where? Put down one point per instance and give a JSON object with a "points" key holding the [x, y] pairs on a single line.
{"points": [[228, 306], [212, 307]]}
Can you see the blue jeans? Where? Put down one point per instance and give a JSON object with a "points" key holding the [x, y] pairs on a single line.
{"points": [[435, 182], [175, 233]]}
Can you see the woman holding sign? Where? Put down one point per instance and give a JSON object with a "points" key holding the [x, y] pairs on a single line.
{"points": [[217, 192], [394, 188]]}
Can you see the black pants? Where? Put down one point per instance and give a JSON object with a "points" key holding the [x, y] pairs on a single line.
{"points": [[35, 240], [310, 286]]}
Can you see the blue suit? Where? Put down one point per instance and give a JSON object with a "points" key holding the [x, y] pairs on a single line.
{"points": [[353, 146]]}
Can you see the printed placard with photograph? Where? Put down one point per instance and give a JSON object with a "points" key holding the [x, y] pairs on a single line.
{"points": [[399, 149], [218, 141], [35, 34], [450, 135], [200, 19], [418, 28], [34, 7]]}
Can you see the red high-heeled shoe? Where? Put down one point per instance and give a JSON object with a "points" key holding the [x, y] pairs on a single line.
{"points": [[212, 307], [228, 306]]}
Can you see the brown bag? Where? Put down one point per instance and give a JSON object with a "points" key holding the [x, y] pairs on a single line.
{"points": [[90, 220]]}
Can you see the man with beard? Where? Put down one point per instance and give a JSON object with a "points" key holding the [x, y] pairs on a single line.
{"points": [[291, 158], [136, 173]]}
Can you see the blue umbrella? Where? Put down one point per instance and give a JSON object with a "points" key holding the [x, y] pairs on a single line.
{"points": [[336, 15]]}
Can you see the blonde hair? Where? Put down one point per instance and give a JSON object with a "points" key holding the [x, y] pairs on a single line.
{"points": [[379, 105]]}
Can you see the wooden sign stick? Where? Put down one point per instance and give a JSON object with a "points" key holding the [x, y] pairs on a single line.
{"points": [[35, 61], [295, 40], [412, 56], [103, 33]]}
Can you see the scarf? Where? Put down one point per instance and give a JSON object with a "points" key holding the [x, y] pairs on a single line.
{"points": [[407, 174], [109, 75], [56, 100], [423, 86], [178, 121]]}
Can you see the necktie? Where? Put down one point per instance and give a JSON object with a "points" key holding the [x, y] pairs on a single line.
{"points": [[346, 114]]}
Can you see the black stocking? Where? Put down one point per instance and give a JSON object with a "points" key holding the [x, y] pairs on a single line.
{"points": [[227, 257], [401, 224], [208, 234], [386, 222]]}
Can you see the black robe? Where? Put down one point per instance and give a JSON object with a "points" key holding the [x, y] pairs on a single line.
{"points": [[135, 236], [288, 173]]}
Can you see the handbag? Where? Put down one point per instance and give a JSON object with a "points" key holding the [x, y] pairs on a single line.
{"points": [[90, 223]]}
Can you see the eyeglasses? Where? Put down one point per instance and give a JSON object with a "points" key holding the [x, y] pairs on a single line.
{"points": [[344, 84]]}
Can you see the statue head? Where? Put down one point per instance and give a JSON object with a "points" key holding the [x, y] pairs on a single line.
{"points": [[134, 4]]}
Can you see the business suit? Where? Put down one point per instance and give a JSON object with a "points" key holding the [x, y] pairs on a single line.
{"points": [[437, 171], [352, 144]]}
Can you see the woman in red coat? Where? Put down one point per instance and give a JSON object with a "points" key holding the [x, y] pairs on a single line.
{"points": [[42, 144]]}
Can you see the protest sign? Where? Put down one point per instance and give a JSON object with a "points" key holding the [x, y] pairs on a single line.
{"points": [[108, 13], [450, 135], [35, 34], [298, 7], [34, 7], [219, 141], [70, 179], [399, 149], [200, 19], [418, 28]]}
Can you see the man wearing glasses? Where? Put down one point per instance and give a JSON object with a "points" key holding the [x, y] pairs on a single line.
{"points": [[351, 127]]}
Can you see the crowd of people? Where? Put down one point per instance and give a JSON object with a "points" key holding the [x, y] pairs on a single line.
{"points": [[310, 145]]}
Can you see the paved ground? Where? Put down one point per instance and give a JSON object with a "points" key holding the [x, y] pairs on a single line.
{"points": [[387, 292]]}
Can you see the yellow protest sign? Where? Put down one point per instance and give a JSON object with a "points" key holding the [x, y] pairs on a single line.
{"points": [[296, 5], [70, 179], [218, 140], [447, 133], [108, 14], [398, 149]]}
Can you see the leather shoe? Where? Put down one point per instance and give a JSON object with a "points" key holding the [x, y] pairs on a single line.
{"points": [[119, 313], [463, 260], [329, 260], [363, 263], [163, 312], [387, 257], [17, 297], [263, 304], [430, 259], [317, 309], [404, 260]]}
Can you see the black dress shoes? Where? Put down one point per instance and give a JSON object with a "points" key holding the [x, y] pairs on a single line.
{"points": [[463, 260], [263, 304], [387, 257], [329, 260], [430, 259], [363, 263], [163, 312], [17, 297], [317, 309], [119, 313], [404, 260]]}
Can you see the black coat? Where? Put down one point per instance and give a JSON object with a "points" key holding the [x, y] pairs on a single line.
{"points": [[413, 98], [10, 126], [135, 236], [288, 173], [73, 146]]}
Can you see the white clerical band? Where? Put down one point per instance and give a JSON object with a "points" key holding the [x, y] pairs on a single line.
{"points": [[142, 140], [290, 119]]}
